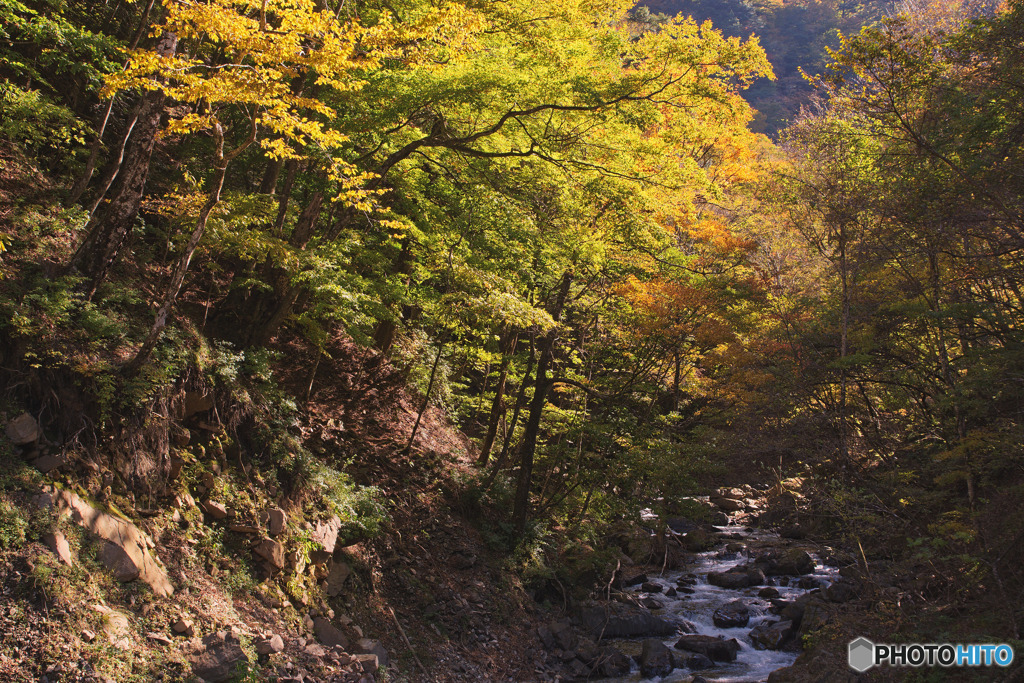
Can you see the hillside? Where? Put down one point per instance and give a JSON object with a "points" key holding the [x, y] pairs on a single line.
{"points": [[416, 341]]}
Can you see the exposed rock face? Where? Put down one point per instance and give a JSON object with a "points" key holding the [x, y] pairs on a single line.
{"points": [[715, 649], [655, 659], [623, 621], [126, 552], [23, 430]]}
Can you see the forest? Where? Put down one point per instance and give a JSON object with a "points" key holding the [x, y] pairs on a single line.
{"points": [[498, 281]]}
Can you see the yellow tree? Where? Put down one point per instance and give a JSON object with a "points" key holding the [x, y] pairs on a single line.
{"points": [[252, 62]]}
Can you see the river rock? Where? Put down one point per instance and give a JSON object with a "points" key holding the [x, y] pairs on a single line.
{"points": [[617, 620], [732, 615], [728, 504], [816, 614], [771, 636], [693, 662], [651, 587], [655, 659], [715, 649], [768, 592], [841, 591], [611, 663], [787, 562], [23, 430], [737, 577], [699, 540]]}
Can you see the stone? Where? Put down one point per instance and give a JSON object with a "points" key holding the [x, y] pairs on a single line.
{"points": [[367, 663], [277, 521], [650, 603], [314, 650], [635, 581], [117, 626], [737, 577], [159, 638], [325, 533], [789, 562], [816, 614], [271, 551], [565, 637], [771, 635], [617, 620], [267, 646], [768, 592], [732, 615], [462, 560], [329, 634], [841, 591], [682, 525], [57, 543], [547, 638], [611, 663], [336, 578], [134, 545], [216, 510], [691, 661], [88, 636], [118, 561], [49, 463], [728, 504], [808, 583], [219, 660], [698, 540], [184, 627], [650, 587], [23, 430], [655, 659], [735, 547], [369, 646], [715, 649]]}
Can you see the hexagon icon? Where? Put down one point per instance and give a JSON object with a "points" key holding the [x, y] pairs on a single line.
{"points": [[862, 655]]}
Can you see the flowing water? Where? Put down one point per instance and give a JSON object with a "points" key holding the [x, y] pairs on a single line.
{"points": [[751, 665]]}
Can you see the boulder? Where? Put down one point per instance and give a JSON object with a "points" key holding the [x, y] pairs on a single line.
{"points": [[49, 462], [655, 659], [611, 663], [771, 635], [216, 510], [728, 504], [715, 649], [732, 615], [367, 663], [325, 533], [563, 635], [329, 634], [23, 430], [220, 659], [768, 592], [816, 614], [336, 578], [841, 591], [60, 547], [789, 562], [698, 540], [693, 662], [277, 521], [267, 646], [650, 587], [369, 646], [126, 550], [737, 577], [616, 620], [271, 551]]}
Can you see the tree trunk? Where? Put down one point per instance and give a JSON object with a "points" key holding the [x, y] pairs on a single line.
{"points": [[109, 230], [498, 405], [181, 268], [521, 509]]}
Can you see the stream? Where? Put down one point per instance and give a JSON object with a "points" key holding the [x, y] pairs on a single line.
{"points": [[751, 664]]}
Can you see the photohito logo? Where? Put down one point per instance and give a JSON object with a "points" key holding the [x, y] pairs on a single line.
{"points": [[864, 654]]}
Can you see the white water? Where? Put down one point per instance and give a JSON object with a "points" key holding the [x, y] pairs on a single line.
{"points": [[751, 665]]}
